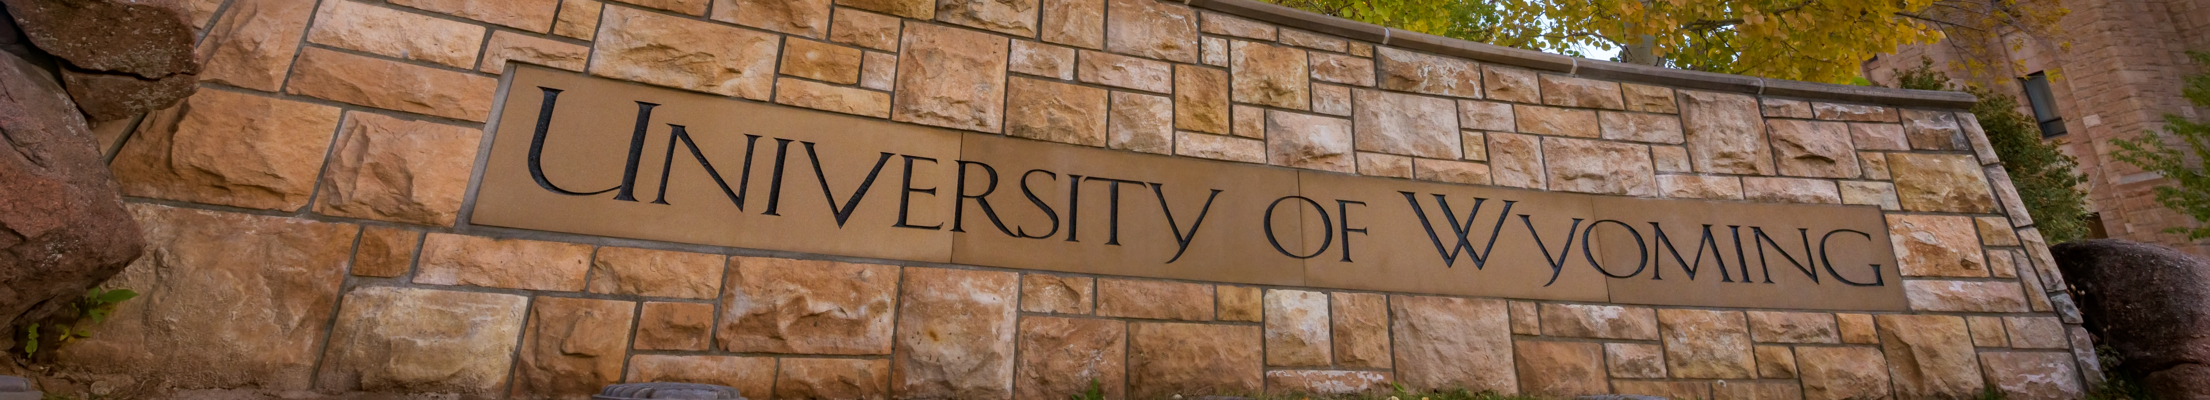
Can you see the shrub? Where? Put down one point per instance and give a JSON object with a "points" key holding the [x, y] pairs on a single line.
{"points": [[2190, 192], [2048, 181]]}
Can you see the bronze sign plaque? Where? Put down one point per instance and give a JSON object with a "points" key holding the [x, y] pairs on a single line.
{"points": [[576, 154]]}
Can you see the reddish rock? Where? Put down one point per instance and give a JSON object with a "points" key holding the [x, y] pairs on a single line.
{"points": [[573, 347], [778, 305], [1239, 303], [110, 97], [832, 378], [85, 34], [1444, 343], [63, 227], [2144, 301], [956, 333], [1061, 357], [1192, 360]]}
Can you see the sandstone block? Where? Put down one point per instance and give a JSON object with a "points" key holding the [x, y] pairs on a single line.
{"points": [[1936, 245], [675, 326], [1200, 99], [1875, 165], [951, 78], [825, 97], [397, 34], [1389, 165], [1965, 296], [1248, 121], [1192, 360], [1602, 322], [1725, 133], [1791, 190], [1140, 122], [1784, 390], [1444, 342], [1833, 373], [1342, 69], [1469, 173], [1153, 29], [1558, 90], [832, 378], [1996, 231], [1784, 108], [1591, 166], [192, 152], [1792, 327], [746, 374], [1526, 318], [1560, 369], [1988, 331], [955, 334], [1856, 328], [1476, 145], [1404, 124], [1125, 72], [253, 47], [773, 305], [1868, 136], [1404, 70], [1515, 160], [1213, 51], [1871, 193], [1362, 49], [1487, 116], [573, 347], [1035, 58], [385, 252], [449, 259], [1326, 382], [1058, 112], [1929, 356], [1630, 360], [690, 7], [1775, 362], [2020, 375], [1056, 294], [2006, 263], [821, 61], [1269, 75], [1148, 299], [642, 46], [1552, 121], [1705, 344], [1512, 84], [1813, 149], [370, 82], [656, 273], [1361, 329], [1309, 142], [389, 339], [915, 9], [879, 71], [1670, 158], [578, 19], [1315, 41], [1060, 357], [865, 29], [1229, 25], [1240, 303], [1853, 112], [1652, 128], [2036, 332], [507, 46], [1078, 23], [1224, 148], [1331, 99], [529, 15], [1932, 130], [1014, 17], [395, 170], [1649, 99], [1943, 183], [1297, 329], [1664, 389], [1700, 187]]}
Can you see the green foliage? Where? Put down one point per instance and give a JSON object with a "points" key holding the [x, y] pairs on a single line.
{"points": [[1096, 392], [2190, 192], [1397, 391], [2115, 386], [76, 322], [2048, 181]]}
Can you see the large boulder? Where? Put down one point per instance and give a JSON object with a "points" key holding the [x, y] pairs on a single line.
{"points": [[2151, 305], [62, 225], [120, 57]]}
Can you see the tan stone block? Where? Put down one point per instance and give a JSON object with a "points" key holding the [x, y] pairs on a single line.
{"points": [[821, 61], [2036, 332], [825, 97], [1057, 294], [1603, 322], [1240, 303], [773, 305], [395, 170], [1652, 128], [1856, 328], [1988, 331], [1058, 112], [1430, 74], [1670, 159], [1791, 190], [1749, 390], [879, 71], [1223, 148], [1214, 51], [1153, 29], [864, 29], [951, 78], [1784, 108], [392, 339], [1297, 329], [1560, 369], [2037, 376], [1192, 360], [1360, 323], [1564, 91], [1936, 245], [640, 46], [1515, 160], [1315, 41], [1649, 99], [1700, 187], [1931, 355], [1331, 99], [1867, 136], [1078, 23], [1814, 149], [1362, 49], [675, 326], [573, 347], [397, 34], [529, 15], [1526, 318], [192, 152], [1933, 130], [1553, 121], [915, 9], [1973, 134], [1871, 193], [955, 334], [1327, 382], [1875, 165], [832, 378], [1725, 133], [2004, 263], [1062, 357], [1996, 231], [1843, 372], [253, 46], [1269, 75], [1444, 342], [2083, 351], [1309, 142], [1404, 124], [1011, 17], [1224, 24], [1141, 122], [1470, 173], [1853, 112], [746, 374], [1487, 116], [1201, 99], [578, 19], [1664, 389], [1149, 299], [385, 252], [1631, 360], [1792, 327], [1590, 166], [1775, 362], [1124, 72], [1342, 69], [656, 273], [1035, 58], [1248, 121], [1512, 84], [508, 46], [449, 259], [1389, 165], [1476, 145], [1705, 344]]}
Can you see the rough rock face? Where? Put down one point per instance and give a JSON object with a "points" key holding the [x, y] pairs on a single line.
{"points": [[2148, 303], [114, 73], [573, 346], [946, 83], [1061, 356], [1192, 360], [1297, 329], [1453, 343], [645, 47], [830, 378], [808, 307], [1725, 133], [62, 226], [1930, 356], [401, 171], [955, 334], [191, 152], [1361, 329], [410, 340]]}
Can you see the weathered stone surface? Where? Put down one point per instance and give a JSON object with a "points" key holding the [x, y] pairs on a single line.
{"points": [[1526, 317], [1150, 299], [1940, 182], [1315, 41], [1240, 303], [1784, 108], [688, 54], [2084, 352], [1652, 128], [1154, 29], [746, 374], [1793, 327], [675, 326], [1297, 329], [1996, 231], [1630, 360], [1670, 158], [397, 34], [1326, 382], [955, 334], [1140, 122], [1936, 245], [951, 78], [1269, 75], [2005, 263], [529, 15], [1988, 331], [1247, 121], [1932, 130], [1664, 389], [1362, 49], [1649, 99], [1777, 390], [1834, 373], [1724, 133], [396, 170], [1389, 165], [1360, 325], [865, 29], [1856, 328], [227, 299], [1058, 112], [1342, 69], [879, 71], [253, 45], [1214, 51], [1060, 357], [1056, 294], [1192, 360], [656, 273], [1554, 121], [1560, 369], [1867, 136], [1592, 166], [1486, 115], [1078, 23], [1791, 190], [449, 259], [1853, 112], [1035, 58], [1331, 99], [1930, 356], [1444, 342], [1124, 72], [1700, 187], [1200, 99], [1470, 173], [1596, 321], [1871, 193], [826, 97], [1775, 362], [227, 148], [573, 347], [1217, 147], [832, 378], [390, 85], [1875, 165], [1310, 142], [507, 46], [1512, 84], [1224, 24], [773, 305], [407, 340], [1515, 160], [1012, 17], [1965, 296], [2032, 375], [578, 19], [1815, 149], [1431, 74], [1705, 344], [114, 97], [1403, 124], [1476, 145], [821, 61], [385, 252], [85, 34], [915, 9], [1559, 90]]}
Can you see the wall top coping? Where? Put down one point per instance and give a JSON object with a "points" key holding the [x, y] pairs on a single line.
{"points": [[1624, 72]]}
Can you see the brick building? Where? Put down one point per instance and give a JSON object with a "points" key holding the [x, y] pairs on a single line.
{"points": [[2121, 73]]}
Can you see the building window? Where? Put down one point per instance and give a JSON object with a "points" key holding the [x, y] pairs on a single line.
{"points": [[2044, 104]]}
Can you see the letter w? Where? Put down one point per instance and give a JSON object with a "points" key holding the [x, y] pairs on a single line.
{"points": [[1462, 229]]}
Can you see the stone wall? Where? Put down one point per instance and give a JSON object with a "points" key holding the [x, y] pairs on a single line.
{"points": [[302, 213]]}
